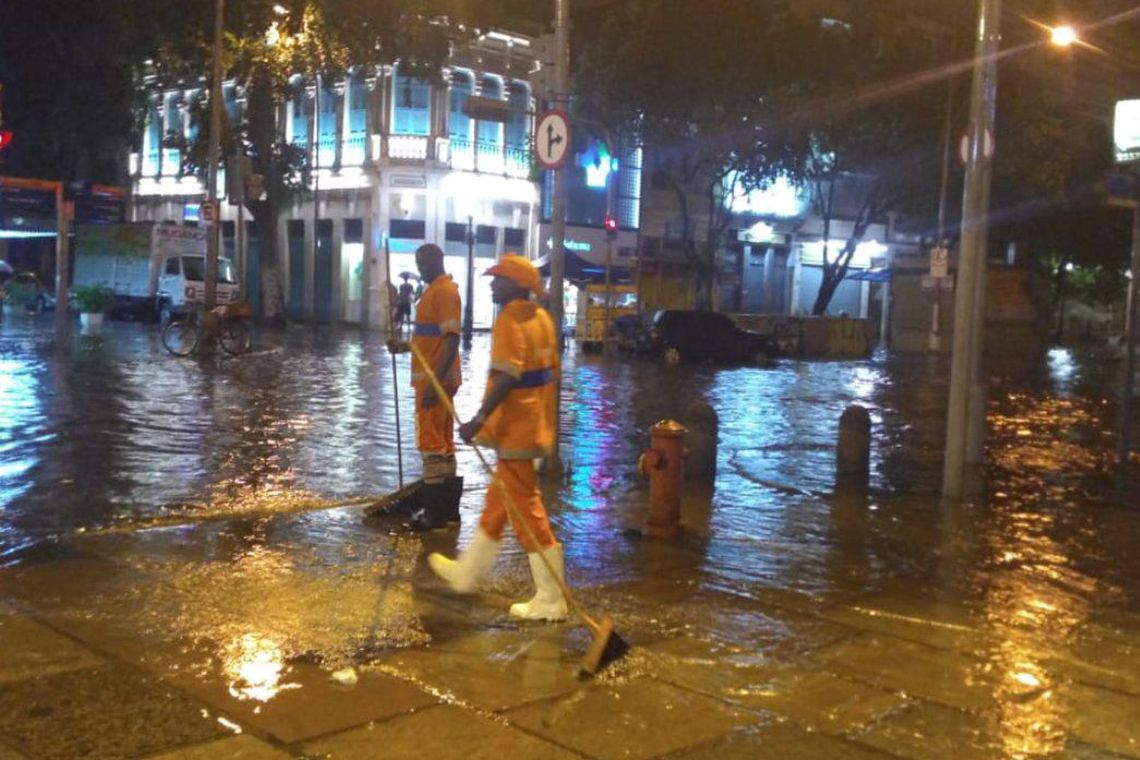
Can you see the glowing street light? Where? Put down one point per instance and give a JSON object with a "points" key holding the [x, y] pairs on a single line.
{"points": [[1063, 36]]}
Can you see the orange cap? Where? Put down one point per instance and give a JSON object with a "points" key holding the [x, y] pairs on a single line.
{"points": [[519, 270]]}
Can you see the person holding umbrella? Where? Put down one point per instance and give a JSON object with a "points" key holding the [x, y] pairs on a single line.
{"points": [[404, 301]]}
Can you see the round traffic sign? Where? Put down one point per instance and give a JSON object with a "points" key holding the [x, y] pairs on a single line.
{"points": [[964, 146], [552, 139]]}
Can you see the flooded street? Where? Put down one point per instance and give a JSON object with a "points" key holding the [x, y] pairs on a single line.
{"points": [[200, 520]]}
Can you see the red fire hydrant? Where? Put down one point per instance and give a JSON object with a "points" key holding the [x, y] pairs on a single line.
{"points": [[664, 465]]}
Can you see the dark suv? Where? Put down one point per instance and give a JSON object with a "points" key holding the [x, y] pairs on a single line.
{"points": [[706, 336]]}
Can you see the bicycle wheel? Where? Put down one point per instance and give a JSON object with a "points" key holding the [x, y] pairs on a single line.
{"points": [[234, 337], [180, 337]]}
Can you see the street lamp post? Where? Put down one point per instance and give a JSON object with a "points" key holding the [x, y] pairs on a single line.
{"points": [[1126, 404], [967, 397]]}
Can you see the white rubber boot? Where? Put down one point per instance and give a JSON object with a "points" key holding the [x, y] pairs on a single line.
{"points": [[463, 574], [548, 602]]}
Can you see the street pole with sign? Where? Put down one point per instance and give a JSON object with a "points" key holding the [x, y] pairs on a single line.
{"points": [[966, 397], [209, 323]]}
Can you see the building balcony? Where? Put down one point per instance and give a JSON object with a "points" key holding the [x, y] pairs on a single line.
{"points": [[485, 157]]}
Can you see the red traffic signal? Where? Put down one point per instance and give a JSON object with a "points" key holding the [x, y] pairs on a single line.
{"points": [[5, 138], [611, 225]]}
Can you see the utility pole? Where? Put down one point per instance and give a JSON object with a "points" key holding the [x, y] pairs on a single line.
{"points": [[558, 214], [966, 397], [212, 235]]}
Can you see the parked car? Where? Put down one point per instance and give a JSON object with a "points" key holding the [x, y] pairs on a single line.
{"points": [[706, 336]]}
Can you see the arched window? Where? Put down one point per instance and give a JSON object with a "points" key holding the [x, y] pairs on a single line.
{"points": [[491, 132], [459, 123], [411, 105], [354, 140], [152, 142], [517, 134], [326, 140], [171, 156], [299, 112]]}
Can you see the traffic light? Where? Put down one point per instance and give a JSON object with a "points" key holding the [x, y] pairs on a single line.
{"points": [[611, 226], [5, 138]]}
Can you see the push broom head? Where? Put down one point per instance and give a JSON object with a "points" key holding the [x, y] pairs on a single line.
{"points": [[606, 647], [401, 503]]}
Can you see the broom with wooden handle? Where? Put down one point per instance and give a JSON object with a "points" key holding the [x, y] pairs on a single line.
{"points": [[606, 645]]}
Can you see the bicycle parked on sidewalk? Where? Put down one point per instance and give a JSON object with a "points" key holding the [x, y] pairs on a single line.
{"points": [[182, 337]]}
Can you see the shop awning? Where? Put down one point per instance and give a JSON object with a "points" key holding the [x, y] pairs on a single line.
{"points": [[579, 269], [870, 275]]}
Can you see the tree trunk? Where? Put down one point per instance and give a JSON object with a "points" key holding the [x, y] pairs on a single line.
{"points": [[265, 219], [263, 137]]}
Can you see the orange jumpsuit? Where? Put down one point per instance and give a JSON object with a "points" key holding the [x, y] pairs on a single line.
{"points": [[522, 428], [437, 317]]}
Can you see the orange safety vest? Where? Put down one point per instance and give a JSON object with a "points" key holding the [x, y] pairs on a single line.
{"points": [[437, 317], [524, 346]]}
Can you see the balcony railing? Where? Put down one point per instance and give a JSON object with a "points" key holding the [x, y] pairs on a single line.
{"points": [[151, 165], [353, 152], [411, 147], [326, 149], [488, 157], [171, 162]]}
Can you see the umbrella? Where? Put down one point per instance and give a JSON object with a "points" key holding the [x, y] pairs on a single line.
{"points": [[413, 275]]}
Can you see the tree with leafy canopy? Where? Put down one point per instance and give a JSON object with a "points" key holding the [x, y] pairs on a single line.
{"points": [[697, 83], [268, 42], [873, 122]]}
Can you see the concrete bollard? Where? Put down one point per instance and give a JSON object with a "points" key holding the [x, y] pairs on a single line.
{"points": [[853, 453], [703, 424]]}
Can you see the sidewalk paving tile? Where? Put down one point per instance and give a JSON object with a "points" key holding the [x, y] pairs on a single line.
{"points": [[439, 733], [824, 702], [635, 719], [928, 731], [1101, 657], [100, 713], [315, 705], [940, 675], [234, 748], [31, 649], [817, 699], [908, 617], [779, 740], [1104, 718], [492, 670]]}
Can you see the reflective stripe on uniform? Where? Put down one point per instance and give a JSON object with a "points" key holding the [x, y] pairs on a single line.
{"points": [[425, 330], [536, 378], [506, 369]]}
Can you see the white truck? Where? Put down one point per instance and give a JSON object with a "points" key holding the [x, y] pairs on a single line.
{"points": [[155, 270]]}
